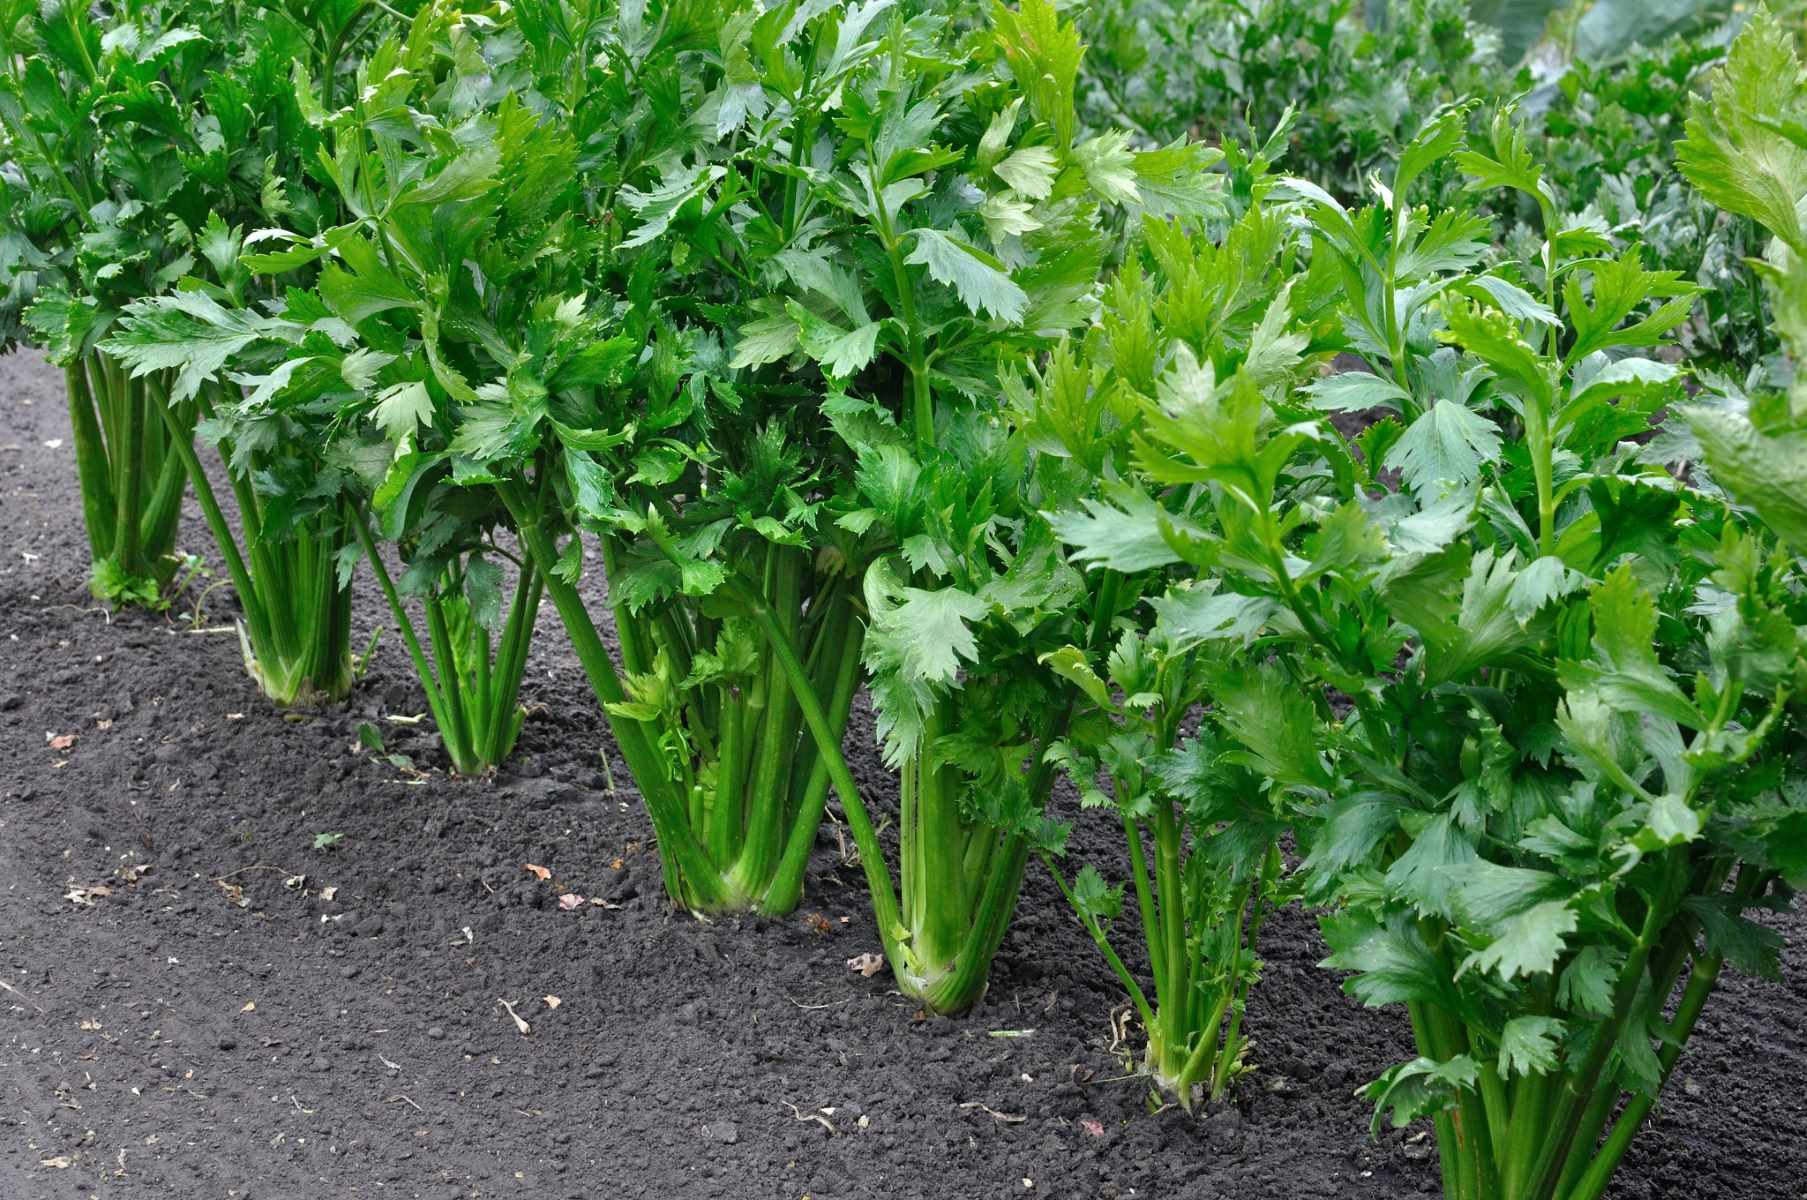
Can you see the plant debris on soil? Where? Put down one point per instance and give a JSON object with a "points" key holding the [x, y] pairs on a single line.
{"points": [[242, 956]]}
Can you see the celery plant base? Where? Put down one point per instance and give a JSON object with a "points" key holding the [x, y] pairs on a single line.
{"points": [[292, 683], [131, 478]]}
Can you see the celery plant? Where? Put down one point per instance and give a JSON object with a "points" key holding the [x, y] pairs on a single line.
{"points": [[1210, 871], [296, 627], [333, 435], [1202, 830], [735, 602], [1530, 694], [133, 153], [82, 203], [950, 220]]}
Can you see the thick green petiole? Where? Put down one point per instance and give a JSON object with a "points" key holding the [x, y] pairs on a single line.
{"points": [[734, 796], [1539, 1136], [131, 476], [690, 875], [472, 684], [295, 635]]}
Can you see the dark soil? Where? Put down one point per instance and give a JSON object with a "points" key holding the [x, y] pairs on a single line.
{"points": [[242, 1015]]}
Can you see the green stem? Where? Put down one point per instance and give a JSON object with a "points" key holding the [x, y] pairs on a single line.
{"points": [[765, 824], [628, 634], [922, 403], [909, 862], [129, 485], [453, 685], [1530, 1122], [512, 664], [1475, 1144], [1578, 1087], [256, 616], [423, 668], [1599, 1172], [865, 834], [1151, 919], [1448, 1154], [1493, 1106], [787, 883], [482, 707], [726, 813], [1103, 943], [1271, 866], [680, 852], [944, 896], [1542, 450], [157, 523], [1175, 989], [90, 461], [1203, 1055], [1594, 1169]]}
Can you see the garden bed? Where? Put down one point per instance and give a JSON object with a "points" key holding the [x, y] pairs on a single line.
{"points": [[200, 1003]]}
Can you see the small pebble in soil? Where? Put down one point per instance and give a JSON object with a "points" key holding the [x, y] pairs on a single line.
{"points": [[721, 1131], [436, 1032]]}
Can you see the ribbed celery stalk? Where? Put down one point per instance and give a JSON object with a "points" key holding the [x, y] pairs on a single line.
{"points": [[130, 471], [472, 678], [295, 634], [730, 768]]}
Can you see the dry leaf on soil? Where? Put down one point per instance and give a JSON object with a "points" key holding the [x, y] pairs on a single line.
{"points": [[519, 1024], [867, 964]]}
